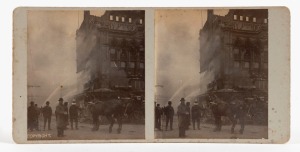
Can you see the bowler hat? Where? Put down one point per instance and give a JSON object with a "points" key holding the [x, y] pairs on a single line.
{"points": [[182, 99], [47, 102], [60, 99]]}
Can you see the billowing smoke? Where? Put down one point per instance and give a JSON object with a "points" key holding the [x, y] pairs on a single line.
{"points": [[178, 54], [52, 55]]}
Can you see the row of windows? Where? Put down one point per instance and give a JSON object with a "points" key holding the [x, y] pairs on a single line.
{"points": [[138, 84], [121, 64], [122, 19], [247, 65], [246, 56], [235, 17], [261, 85], [122, 55]]}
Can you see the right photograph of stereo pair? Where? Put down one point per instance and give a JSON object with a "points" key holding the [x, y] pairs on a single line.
{"points": [[211, 74]]}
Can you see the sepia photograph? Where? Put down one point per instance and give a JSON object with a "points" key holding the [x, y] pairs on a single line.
{"points": [[85, 74], [211, 74], [151, 75]]}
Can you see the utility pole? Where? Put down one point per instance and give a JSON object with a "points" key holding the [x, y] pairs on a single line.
{"points": [[61, 87]]}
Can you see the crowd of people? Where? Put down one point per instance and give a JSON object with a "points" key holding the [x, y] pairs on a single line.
{"points": [[64, 115], [185, 114]]}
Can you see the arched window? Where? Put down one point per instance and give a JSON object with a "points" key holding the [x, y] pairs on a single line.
{"points": [[113, 42], [132, 55], [247, 55], [256, 56], [113, 54], [124, 43], [238, 43], [236, 53], [123, 56], [133, 43], [248, 44]]}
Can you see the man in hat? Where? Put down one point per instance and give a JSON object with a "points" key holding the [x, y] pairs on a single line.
{"points": [[67, 114], [31, 116], [47, 113], [182, 117], [169, 110], [73, 112], [60, 121], [196, 114], [36, 120], [188, 109], [158, 113]]}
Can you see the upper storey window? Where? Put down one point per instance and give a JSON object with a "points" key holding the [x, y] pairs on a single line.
{"points": [[247, 18], [235, 17], [265, 20], [241, 18], [117, 18], [123, 19], [111, 17], [141, 21], [129, 20], [254, 19]]}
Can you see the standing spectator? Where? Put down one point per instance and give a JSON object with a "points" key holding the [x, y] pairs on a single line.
{"points": [[31, 116], [196, 114], [188, 108], [36, 121], [73, 112], [47, 113], [66, 115], [182, 117], [60, 121], [158, 114], [169, 111]]}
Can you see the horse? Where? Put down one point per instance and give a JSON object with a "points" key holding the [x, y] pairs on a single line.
{"points": [[112, 109], [234, 110]]}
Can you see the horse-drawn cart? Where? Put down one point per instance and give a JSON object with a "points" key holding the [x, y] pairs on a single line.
{"points": [[257, 113], [132, 102]]}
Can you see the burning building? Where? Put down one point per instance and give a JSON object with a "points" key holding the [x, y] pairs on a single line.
{"points": [[111, 54], [234, 48]]}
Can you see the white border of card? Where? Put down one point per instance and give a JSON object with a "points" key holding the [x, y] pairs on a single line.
{"points": [[279, 78]]}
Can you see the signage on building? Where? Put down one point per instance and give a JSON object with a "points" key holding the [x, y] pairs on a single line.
{"points": [[246, 26], [112, 25]]}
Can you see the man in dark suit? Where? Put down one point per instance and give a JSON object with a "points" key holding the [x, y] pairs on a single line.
{"points": [[31, 116], [182, 112], [169, 111], [73, 114], [60, 115], [36, 122], [67, 114], [188, 108], [158, 113], [47, 113], [196, 114]]}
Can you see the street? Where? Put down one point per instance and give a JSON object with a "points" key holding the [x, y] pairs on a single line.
{"points": [[206, 132], [129, 131]]}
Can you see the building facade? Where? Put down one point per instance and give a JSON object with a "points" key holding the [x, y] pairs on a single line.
{"points": [[234, 48], [111, 53]]}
